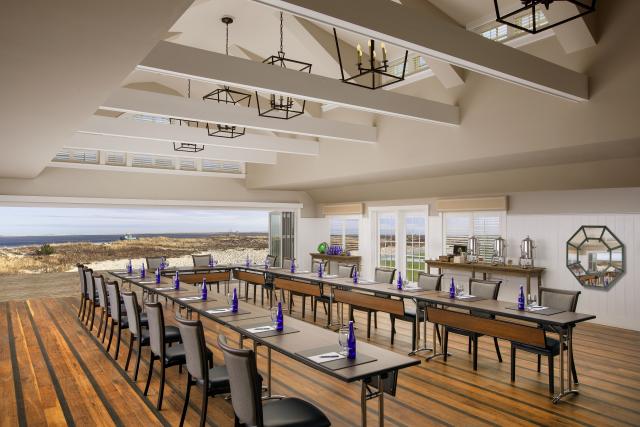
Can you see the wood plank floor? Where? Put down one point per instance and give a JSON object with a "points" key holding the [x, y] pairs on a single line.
{"points": [[54, 372]]}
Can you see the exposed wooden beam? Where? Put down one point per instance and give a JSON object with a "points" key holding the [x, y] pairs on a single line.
{"points": [[134, 169], [431, 36], [165, 148], [136, 101], [130, 128], [188, 62]]}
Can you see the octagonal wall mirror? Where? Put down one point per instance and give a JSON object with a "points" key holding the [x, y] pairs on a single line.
{"points": [[595, 256]]}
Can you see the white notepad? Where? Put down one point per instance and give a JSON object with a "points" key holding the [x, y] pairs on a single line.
{"points": [[219, 310], [265, 328], [326, 357]]}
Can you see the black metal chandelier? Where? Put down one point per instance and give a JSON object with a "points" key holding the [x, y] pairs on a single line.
{"points": [[227, 95], [282, 106], [186, 146], [375, 74], [529, 17]]}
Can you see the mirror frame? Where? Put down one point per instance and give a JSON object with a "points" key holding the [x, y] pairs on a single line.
{"points": [[602, 229]]}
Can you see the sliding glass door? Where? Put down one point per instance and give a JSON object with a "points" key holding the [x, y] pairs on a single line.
{"points": [[281, 236]]}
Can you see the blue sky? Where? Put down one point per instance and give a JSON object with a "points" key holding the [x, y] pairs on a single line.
{"points": [[39, 221]]}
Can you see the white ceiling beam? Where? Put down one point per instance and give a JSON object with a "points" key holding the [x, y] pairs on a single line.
{"points": [[574, 35], [188, 62], [446, 73], [134, 169], [426, 34], [136, 101], [165, 148], [131, 128]]}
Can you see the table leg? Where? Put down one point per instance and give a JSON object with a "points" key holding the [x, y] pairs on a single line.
{"points": [[565, 369], [528, 284], [417, 343], [380, 401], [437, 350], [330, 308], [363, 404], [539, 281]]}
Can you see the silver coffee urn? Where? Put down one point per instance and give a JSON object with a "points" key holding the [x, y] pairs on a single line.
{"points": [[526, 252], [472, 249], [499, 252]]}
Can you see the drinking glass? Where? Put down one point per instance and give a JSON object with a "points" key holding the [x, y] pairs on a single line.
{"points": [[230, 299], [459, 289], [343, 338], [274, 316]]}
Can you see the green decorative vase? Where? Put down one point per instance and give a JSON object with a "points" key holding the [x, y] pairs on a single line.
{"points": [[322, 247]]}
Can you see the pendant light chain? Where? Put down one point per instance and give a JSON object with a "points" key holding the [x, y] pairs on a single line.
{"points": [[281, 36], [227, 43], [189, 88]]}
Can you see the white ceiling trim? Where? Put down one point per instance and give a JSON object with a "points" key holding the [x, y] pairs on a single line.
{"points": [[187, 62], [10, 200], [137, 101], [429, 35], [157, 171]]}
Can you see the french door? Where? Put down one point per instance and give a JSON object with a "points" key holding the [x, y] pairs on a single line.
{"points": [[401, 240]]}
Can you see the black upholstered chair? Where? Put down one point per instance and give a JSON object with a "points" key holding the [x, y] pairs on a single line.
{"points": [[488, 289], [249, 408], [161, 348], [101, 289], [381, 275], [201, 260], [286, 263], [138, 330], [344, 271], [117, 315], [272, 259], [430, 282], [92, 297], [266, 287], [315, 265], [83, 291], [213, 379], [554, 298], [153, 263]]}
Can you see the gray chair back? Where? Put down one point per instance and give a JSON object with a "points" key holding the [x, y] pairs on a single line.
{"points": [[83, 285], [88, 279], [384, 275], [286, 263], [201, 260], [488, 289], [113, 292], [315, 265], [153, 263], [558, 298], [102, 291], [345, 270], [430, 282], [156, 328], [133, 315], [272, 260], [244, 383], [192, 335]]}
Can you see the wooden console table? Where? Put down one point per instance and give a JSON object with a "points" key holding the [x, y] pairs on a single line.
{"points": [[341, 259], [484, 268]]}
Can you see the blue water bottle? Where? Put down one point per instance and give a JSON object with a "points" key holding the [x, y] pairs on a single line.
{"points": [[247, 262], [452, 289], [142, 271], [129, 267], [521, 300], [176, 281], [355, 276], [203, 293], [234, 301], [279, 318], [351, 342], [158, 275], [320, 271], [293, 265], [399, 282]]}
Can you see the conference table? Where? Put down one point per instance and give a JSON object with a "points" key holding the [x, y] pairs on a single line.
{"points": [[376, 368], [509, 323]]}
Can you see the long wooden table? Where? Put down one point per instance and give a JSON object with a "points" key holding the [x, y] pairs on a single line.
{"points": [[486, 268], [377, 377], [562, 323]]}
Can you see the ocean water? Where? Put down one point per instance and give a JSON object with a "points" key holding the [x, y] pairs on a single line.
{"points": [[14, 241]]}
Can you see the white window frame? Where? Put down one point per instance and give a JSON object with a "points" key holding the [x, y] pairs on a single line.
{"points": [[400, 213], [471, 215], [344, 218]]}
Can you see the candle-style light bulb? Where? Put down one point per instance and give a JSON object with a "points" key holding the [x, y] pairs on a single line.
{"points": [[359, 51], [384, 52]]}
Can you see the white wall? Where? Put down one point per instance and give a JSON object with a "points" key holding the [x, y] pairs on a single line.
{"points": [[311, 232]]}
